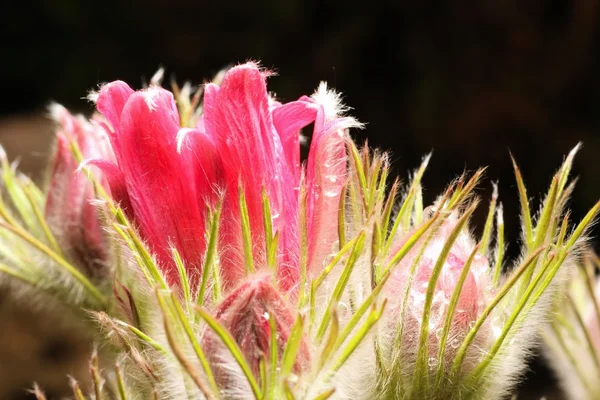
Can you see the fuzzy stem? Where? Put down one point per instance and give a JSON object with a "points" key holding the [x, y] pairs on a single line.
{"points": [[120, 383]]}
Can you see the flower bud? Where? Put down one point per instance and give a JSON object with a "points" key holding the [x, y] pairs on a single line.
{"points": [[246, 314], [572, 342], [70, 212], [469, 304]]}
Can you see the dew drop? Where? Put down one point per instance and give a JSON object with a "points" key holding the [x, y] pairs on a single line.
{"points": [[327, 260], [432, 362], [343, 307]]}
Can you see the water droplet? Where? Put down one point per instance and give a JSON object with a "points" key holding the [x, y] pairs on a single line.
{"points": [[292, 378], [432, 362], [455, 343], [343, 308], [327, 260], [497, 326]]}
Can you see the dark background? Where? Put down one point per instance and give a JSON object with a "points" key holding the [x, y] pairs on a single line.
{"points": [[469, 80]]}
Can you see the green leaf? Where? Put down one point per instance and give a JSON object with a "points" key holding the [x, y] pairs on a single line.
{"points": [[524, 200], [342, 282], [246, 232], [421, 367], [291, 347]]}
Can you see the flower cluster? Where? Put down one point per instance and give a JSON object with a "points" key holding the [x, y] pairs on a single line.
{"points": [[221, 265]]}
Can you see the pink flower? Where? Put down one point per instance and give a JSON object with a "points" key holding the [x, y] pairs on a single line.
{"points": [[70, 212], [243, 140]]}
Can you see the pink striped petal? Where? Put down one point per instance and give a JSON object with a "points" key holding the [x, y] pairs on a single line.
{"points": [[159, 180], [325, 179], [198, 146], [288, 120], [237, 115], [112, 99]]}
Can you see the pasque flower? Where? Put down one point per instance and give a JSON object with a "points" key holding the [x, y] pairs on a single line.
{"points": [[238, 271], [244, 142], [70, 209], [245, 147]]}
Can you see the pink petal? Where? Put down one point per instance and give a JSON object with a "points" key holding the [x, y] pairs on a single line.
{"points": [[196, 145], [325, 179], [159, 181], [115, 181], [288, 120], [112, 99], [237, 115]]}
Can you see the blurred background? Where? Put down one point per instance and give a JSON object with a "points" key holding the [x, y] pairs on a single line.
{"points": [[469, 80]]}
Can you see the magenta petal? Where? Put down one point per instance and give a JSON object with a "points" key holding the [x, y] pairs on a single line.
{"points": [[196, 145], [237, 116], [325, 179], [115, 180], [159, 180], [288, 120], [112, 99]]}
